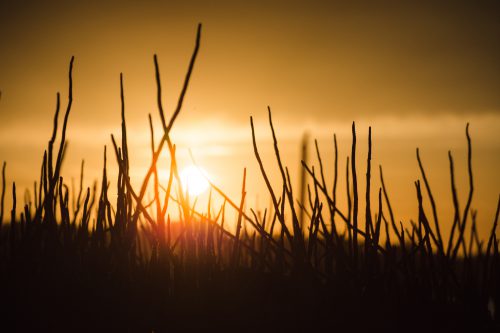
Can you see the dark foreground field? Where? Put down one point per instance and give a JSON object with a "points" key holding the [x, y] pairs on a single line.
{"points": [[74, 261]]}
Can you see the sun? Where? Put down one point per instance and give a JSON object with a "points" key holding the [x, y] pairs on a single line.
{"points": [[193, 180]]}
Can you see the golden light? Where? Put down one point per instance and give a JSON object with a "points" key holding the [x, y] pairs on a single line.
{"points": [[193, 180]]}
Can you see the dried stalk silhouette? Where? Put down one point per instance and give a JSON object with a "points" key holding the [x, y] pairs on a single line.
{"points": [[73, 260]]}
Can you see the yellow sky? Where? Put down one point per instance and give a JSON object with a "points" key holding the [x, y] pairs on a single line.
{"points": [[416, 73]]}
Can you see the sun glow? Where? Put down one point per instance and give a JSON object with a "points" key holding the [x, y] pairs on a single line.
{"points": [[193, 180]]}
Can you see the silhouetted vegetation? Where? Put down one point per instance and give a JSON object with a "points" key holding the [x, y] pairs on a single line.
{"points": [[75, 261]]}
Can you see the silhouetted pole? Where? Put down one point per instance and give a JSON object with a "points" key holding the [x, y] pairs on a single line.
{"points": [[303, 157]]}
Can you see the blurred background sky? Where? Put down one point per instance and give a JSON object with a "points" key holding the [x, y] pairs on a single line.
{"points": [[416, 72]]}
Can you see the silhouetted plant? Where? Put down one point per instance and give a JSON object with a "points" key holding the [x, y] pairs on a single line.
{"points": [[302, 264]]}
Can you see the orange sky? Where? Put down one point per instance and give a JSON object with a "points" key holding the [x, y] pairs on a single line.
{"points": [[415, 72]]}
